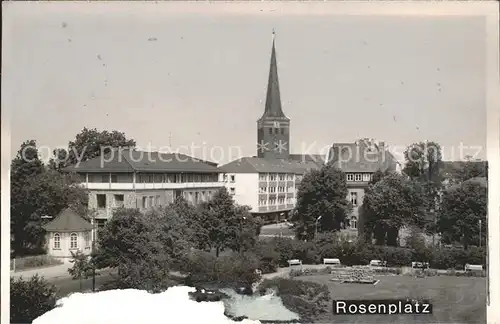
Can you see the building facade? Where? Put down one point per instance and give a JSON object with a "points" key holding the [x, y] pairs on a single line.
{"points": [[359, 161], [268, 186], [143, 180], [68, 232]]}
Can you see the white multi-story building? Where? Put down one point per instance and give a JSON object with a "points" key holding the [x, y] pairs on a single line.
{"points": [[268, 186]]}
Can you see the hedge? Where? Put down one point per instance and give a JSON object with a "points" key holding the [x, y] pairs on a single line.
{"points": [[278, 251]]}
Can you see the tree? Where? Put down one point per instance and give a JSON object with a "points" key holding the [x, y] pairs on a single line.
{"points": [[462, 208], [365, 232], [468, 169], [392, 203], [36, 191], [91, 143], [46, 193], [321, 193], [29, 299], [24, 166], [377, 176], [82, 267], [144, 248], [223, 221], [194, 222], [424, 164], [59, 160]]}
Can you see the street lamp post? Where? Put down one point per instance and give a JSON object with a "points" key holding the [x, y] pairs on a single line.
{"points": [[241, 233], [281, 229], [316, 225], [93, 252], [479, 233]]}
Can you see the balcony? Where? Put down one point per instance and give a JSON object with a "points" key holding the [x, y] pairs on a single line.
{"points": [[139, 186]]}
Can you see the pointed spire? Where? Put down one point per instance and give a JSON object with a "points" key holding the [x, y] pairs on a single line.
{"points": [[273, 98]]}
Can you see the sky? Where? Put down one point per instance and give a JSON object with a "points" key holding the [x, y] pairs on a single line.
{"points": [[170, 79]]}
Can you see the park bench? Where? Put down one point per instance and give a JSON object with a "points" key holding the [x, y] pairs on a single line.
{"points": [[331, 261], [294, 262], [473, 267], [420, 265], [378, 263]]}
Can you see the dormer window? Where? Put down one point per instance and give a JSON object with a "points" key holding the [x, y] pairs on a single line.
{"points": [[359, 177], [350, 177]]}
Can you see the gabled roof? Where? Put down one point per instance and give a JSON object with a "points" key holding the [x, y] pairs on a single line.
{"points": [[361, 157], [273, 98], [68, 221], [126, 160], [317, 158], [262, 165]]}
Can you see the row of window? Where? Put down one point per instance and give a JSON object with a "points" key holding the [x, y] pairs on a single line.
{"points": [[73, 240], [150, 178], [277, 131], [274, 177], [118, 200], [272, 201], [358, 177], [197, 197], [276, 189], [150, 201]]}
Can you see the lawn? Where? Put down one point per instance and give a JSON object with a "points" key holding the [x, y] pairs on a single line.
{"points": [[454, 299]]}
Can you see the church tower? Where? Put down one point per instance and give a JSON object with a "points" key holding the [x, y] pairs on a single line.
{"points": [[273, 128]]}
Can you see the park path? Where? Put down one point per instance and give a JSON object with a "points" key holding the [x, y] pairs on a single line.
{"points": [[59, 271], [51, 272]]}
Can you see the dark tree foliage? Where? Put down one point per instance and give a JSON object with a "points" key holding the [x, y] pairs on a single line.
{"points": [[424, 164], [30, 299], [463, 171], [321, 193], [143, 248], [462, 209], [226, 224], [35, 192], [392, 203], [91, 143]]}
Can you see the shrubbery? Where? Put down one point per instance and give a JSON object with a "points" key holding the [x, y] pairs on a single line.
{"points": [[279, 250], [204, 267], [30, 299], [307, 299]]}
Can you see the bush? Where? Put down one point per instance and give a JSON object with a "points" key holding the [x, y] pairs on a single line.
{"points": [[277, 251], [457, 258], [397, 256], [204, 267], [307, 299], [269, 258], [30, 299]]}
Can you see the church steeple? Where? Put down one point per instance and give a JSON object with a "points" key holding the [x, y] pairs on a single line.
{"points": [[273, 128], [273, 97]]}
